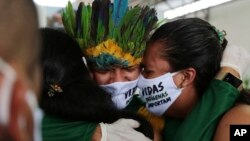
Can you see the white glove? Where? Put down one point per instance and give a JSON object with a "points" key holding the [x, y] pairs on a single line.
{"points": [[122, 130], [236, 58]]}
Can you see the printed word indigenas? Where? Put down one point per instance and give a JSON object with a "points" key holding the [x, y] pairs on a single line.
{"points": [[156, 97]]}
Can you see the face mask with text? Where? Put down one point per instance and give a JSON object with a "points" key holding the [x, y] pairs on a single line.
{"points": [[158, 93], [121, 92]]}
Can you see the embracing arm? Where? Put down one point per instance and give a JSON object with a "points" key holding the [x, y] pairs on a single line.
{"points": [[224, 70], [240, 114], [216, 100], [122, 129], [97, 134]]}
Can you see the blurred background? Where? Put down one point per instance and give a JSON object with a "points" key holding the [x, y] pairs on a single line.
{"points": [[233, 16]]}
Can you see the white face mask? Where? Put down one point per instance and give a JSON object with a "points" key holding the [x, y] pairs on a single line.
{"points": [[6, 87], [121, 92], [158, 93]]}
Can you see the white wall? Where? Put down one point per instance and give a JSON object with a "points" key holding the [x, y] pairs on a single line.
{"points": [[42, 15], [234, 18]]}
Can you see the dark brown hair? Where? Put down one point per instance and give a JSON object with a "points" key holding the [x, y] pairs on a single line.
{"points": [[194, 43]]}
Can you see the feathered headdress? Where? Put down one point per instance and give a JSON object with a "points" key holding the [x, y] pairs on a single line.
{"points": [[110, 33]]}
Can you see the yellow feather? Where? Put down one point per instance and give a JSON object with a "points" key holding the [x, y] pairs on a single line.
{"points": [[111, 47]]}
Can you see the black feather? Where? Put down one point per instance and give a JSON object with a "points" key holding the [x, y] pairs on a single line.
{"points": [[94, 19], [104, 16], [78, 20]]}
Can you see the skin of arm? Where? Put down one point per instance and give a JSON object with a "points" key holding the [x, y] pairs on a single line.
{"points": [[97, 134], [239, 114]]}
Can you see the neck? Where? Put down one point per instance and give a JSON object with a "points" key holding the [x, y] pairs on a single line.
{"points": [[184, 103]]}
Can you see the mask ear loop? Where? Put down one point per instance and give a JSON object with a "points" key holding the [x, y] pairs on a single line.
{"points": [[183, 78], [85, 62]]}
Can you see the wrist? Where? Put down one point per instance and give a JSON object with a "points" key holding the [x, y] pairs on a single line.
{"points": [[231, 76], [224, 70], [97, 136]]}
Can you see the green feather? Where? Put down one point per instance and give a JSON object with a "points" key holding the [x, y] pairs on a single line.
{"points": [[69, 19], [130, 33]]}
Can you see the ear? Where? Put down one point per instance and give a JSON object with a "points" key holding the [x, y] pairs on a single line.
{"points": [[185, 77], [188, 75]]}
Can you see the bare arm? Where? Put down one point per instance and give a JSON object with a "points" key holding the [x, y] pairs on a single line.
{"points": [[240, 114], [231, 117], [97, 134]]}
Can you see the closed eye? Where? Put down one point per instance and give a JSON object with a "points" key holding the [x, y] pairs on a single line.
{"points": [[148, 71], [130, 69], [102, 71]]}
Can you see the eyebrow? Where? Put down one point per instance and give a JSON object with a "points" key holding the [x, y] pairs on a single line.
{"points": [[129, 67]]}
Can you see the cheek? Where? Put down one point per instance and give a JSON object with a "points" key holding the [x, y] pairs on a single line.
{"points": [[132, 75], [101, 79]]}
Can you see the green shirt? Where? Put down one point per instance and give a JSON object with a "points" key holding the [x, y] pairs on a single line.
{"points": [[198, 126], [201, 123], [55, 129]]}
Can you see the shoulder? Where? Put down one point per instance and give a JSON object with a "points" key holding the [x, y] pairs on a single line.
{"points": [[239, 114]]}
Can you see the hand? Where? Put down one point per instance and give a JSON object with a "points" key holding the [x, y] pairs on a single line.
{"points": [[236, 58], [122, 130]]}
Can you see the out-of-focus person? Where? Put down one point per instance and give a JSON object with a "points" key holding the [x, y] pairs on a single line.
{"points": [[19, 71]]}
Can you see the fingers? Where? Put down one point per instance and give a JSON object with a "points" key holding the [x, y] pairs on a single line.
{"points": [[122, 129], [128, 122]]}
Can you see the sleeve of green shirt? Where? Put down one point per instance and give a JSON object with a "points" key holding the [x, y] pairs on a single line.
{"points": [[201, 123], [55, 129]]}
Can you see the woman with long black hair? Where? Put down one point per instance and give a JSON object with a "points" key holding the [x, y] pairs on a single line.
{"points": [[75, 107]]}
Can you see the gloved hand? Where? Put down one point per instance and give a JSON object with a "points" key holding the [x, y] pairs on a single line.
{"points": [[236, 58], [122, 130]]}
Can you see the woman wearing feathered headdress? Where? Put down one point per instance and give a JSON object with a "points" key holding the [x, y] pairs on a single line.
{"points": [[76, 109], [113, 37]]}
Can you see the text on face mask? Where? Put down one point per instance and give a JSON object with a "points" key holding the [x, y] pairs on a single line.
{"points": [[130, 92], [160, 102], [152, 90]]}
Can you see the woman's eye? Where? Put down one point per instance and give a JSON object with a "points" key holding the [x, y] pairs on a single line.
{"points": [[147, 71], [130, 69], [102, 71]]}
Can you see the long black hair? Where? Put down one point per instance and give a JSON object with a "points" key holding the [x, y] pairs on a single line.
{"points": [[194, 43], [244, 96], [68, 91]]}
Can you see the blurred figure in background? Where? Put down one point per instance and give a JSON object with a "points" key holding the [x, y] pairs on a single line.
{"points": [[19, 71]]}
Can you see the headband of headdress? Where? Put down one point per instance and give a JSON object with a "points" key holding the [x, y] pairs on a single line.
{"points": [[110, 33]]}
